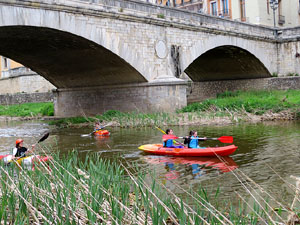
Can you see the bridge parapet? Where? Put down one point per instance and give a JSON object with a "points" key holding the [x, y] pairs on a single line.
{"points": [[158, 15], [289, 34]]}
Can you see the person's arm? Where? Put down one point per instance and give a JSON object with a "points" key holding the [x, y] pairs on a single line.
{"points": [[31, 150], [202, 139]]}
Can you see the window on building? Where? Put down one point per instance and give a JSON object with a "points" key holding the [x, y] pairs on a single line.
{"points": [[5, 63], [214, 9], [243, 10], [279, 7], [268, 6], [225, 10]]}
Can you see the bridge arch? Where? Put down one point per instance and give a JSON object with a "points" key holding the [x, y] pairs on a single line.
{"points": [[230, 58], [41, 41]]}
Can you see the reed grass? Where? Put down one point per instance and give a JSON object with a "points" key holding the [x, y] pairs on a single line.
{"points": [[96, 191], [121, 119]]}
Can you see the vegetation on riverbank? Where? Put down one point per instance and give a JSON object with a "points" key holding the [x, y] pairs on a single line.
{"points": [[254, 102], [69, 191], [28, 109], [228, 107]]}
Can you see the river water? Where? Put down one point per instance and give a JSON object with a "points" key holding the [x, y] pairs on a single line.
{"points": [[268, 154]]}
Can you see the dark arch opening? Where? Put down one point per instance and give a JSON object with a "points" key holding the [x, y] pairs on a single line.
{"points": [[65, 59], [226, 63]]}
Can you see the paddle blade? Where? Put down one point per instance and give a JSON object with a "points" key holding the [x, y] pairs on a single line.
{"points": [[44, 137], [226, 139], [169, 136]]}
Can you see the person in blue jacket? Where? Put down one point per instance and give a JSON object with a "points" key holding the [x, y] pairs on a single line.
{"points": [[169, 143], [193, 140]]}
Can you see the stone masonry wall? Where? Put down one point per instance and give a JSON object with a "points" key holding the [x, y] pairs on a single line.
{"points": [[19, 98], [141, 98], [202, 90], [25, 84]]}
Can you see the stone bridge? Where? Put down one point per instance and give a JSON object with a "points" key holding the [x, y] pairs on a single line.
{"points": [[129, 55]]}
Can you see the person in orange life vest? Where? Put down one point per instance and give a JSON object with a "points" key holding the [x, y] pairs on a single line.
{"points": [[193, 140], [169, 142], [19, 150]]}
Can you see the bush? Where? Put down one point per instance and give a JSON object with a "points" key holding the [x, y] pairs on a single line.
{"points": [[48, 110]]}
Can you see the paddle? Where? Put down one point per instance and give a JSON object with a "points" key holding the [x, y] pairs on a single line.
{"points": [[43, 138], [86, 135], [223, 139]]}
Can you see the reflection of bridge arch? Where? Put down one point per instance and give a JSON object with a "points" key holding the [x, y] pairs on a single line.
{"points": [[65, 59], [226, 59]]}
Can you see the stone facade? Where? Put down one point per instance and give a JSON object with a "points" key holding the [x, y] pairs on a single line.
{"points": [[199, 91], [28, 83], [20, 98], [162, 97]]}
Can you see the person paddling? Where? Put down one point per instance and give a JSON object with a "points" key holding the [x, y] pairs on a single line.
{"points": [[169, 142], [19, 151], [97, 127], [193, 140]]}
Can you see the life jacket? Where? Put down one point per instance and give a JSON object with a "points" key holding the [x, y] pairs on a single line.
{"points": [[168, 143], [194, 142]]}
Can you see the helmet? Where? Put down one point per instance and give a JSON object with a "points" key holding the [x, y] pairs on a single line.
{"points": [[18, 141]]}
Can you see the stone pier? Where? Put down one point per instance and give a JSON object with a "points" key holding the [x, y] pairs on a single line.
{"points": [[146, 97]]}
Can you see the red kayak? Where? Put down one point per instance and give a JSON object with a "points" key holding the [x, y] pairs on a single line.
{"points": [[158, 149], [102, 133]]}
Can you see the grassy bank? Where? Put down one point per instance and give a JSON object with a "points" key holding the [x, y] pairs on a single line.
{"points": [[228, 107], [254, 102], [28, 109], [68, 191]]}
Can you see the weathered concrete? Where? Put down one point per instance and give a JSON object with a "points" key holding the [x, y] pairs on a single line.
{"points": [[163, 97], [199, 91], [19, 98], [78, 45]]}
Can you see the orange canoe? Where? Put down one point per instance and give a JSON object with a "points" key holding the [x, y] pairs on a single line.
{"points": [[158, 149]]}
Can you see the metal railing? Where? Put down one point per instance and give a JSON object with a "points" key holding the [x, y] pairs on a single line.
{"points": [[225, 13]]}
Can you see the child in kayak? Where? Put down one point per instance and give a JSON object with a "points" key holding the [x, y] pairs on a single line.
{"points": [[97, 127], [169, 142], [19, 150], [193, 140]]}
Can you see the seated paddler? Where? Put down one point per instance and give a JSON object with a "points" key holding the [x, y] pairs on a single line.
{"points": [[169, 143]]}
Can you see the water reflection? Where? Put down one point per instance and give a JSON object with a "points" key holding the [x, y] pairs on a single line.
{"points": [[194, 167]]}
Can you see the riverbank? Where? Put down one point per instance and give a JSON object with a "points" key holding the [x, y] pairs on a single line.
{"points": [[227, 108]]}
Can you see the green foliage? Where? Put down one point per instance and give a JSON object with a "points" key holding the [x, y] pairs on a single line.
{"points": [[28, 109], [274, 74], [227, 94], [161, 16], [72, 120], [292, 75], [97, 191], [256, 102]]}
